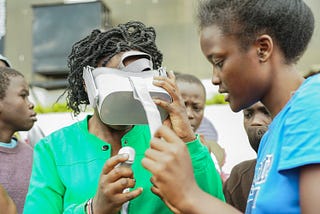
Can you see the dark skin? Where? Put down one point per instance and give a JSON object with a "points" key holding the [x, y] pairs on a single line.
{"points": [[16, 111], [256, 119], [6, 203], [113, 180], [194, 100]]}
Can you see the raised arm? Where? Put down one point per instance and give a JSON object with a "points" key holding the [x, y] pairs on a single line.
{"points": [[178, 119], [169, 162]]}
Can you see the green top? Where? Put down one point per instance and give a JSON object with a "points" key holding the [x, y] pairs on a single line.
{"points": [[67, 166]]}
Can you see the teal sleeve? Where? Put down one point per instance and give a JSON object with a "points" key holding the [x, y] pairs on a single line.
{"points": [[46, 190], [204, 169]]}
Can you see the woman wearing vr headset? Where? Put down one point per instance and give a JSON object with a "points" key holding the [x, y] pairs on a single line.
{"points": [[75, 168]]}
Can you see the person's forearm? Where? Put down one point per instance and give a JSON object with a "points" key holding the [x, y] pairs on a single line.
{"points": [[202, 203], [9, 208], [6, 203]]}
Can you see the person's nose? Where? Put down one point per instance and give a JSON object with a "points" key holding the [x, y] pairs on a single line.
{"points": [[30, 104], [259, 119], [189, 113], [215, 77]]}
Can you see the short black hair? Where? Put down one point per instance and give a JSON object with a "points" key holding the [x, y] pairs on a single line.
{"points": [[189, 78], [5, 74], [132, 35], [290, 23]]}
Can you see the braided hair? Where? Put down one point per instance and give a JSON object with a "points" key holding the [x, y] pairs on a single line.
{"points": [[99, 45], [191, 79]]}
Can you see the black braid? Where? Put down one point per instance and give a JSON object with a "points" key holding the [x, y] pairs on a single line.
{"points": [[90, 50]]}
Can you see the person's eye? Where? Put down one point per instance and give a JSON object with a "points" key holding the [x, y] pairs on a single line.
{"points": [[247, 115], [197, 109], [267, 113], [218, 63], [24, 94]]}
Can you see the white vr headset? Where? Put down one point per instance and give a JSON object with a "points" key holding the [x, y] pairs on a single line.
{"points": [[124, 96]]}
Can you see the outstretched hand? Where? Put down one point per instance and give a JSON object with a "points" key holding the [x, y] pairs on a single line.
{"points": [[169, 162], [113, 181], [178, 119]]}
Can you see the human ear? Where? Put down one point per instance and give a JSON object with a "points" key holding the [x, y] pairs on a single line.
{"points": [[264, 46]]}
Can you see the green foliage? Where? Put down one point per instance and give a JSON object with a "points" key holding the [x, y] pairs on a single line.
{"points": [[216, 99], [56, 107], [62, 107]]}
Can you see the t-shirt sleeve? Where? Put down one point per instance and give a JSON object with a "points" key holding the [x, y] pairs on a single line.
{"points": [[301, 144]]}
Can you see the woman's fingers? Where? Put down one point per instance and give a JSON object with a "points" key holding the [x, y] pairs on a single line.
{"points": [[114, 161], [168, 135]]}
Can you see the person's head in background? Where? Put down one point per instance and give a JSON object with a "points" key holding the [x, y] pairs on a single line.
{"points": [[251, 44], [100, 48], [256, 120], [4, 62], [194, 96], [16, 110]]}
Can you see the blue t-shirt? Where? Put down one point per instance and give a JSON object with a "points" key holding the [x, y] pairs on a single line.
{"points": [[292, 141]]}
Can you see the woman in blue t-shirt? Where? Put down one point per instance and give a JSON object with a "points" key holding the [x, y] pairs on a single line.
{"points": [[253, 46]]}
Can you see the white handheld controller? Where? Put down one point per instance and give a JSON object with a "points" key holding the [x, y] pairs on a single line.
{"points": [[128, 163], [131, 152]]}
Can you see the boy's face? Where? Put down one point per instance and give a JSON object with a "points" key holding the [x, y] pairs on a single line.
{"points": [[256, 120], [194, 100], [238, 73], [16, 111]]}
